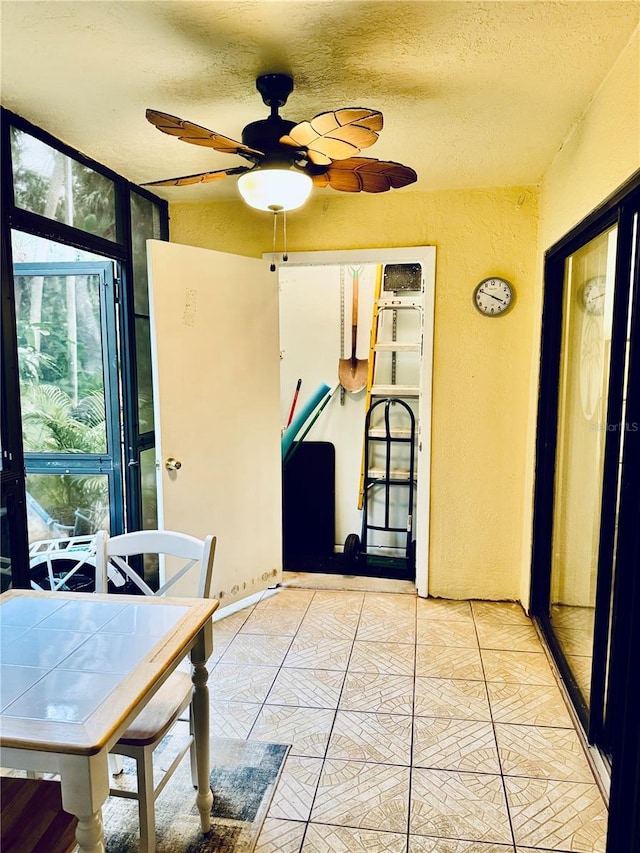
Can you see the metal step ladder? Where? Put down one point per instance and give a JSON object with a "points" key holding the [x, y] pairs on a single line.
{"points": [[393, 304]]}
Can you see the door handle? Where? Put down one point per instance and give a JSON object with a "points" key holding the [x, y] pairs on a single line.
{"points": [[172, 464]]}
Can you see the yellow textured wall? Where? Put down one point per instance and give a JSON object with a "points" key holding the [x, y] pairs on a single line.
{"points": [[485, 371], [600, 153], [482, 365]]}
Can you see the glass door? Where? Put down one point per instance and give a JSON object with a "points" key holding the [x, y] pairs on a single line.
{"points": [[583, 434], [581, 437], [69, 397]]}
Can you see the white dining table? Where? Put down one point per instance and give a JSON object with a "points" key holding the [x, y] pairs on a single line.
{"points": [[77, 668]]}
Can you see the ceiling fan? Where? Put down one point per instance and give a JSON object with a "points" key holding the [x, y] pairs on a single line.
{"points": [[321, 152]]}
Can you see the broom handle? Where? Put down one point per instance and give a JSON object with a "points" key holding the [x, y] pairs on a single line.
{"points": [[294, 401], [354, 314], [317, 414]]}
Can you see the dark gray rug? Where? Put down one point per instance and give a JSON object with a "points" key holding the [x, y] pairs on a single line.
{"points": [[244, 775]]}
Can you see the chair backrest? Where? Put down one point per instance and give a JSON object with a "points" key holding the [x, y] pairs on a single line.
{"points": [[112, 553], [64, 563]]}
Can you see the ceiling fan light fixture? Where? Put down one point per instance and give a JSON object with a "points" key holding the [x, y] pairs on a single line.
{"points": [[275, 189]]}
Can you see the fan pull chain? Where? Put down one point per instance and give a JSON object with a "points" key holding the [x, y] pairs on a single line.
{"points": [[285, 257], [273, 251]]}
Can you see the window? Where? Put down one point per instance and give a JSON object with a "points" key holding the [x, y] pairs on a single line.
{"points": [[47, 182], [76, 360]]}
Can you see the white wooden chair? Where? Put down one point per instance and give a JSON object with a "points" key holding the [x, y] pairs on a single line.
{"points": [[169, 703]]}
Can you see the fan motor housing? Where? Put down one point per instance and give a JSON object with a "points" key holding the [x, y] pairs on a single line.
{"points": [[275, 89], [264, 135]]}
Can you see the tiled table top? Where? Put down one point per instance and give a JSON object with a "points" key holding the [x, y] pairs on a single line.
{"points": [[62, 655]]}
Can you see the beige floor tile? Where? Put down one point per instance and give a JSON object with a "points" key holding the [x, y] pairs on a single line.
{"points": [[280, 836], [269, 622], [449, 662], [322, 838], [231, 682], [575, 641], [369, 796], [310, 688], [543, 753], [229, 625], [459, 805], [444, 608], [329, 625], [530, 704], [454, 745], [220, 645], [341, 583], [390, 658], [572, 616], [371, 737], [312, 651], [256, 649], [342, 601], [456, 792], [534, 850], [515, 638], [296, 788], [397, 604], [557, 815], [581, 668], [386, 629], [516, 667], [232, 719], [384, 694], [443, 697], [420, 844], [286, 599], [306, 729], [441, 633], [502, 612]]}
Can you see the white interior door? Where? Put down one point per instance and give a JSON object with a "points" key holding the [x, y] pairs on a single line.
{"points": [[215, 346]]}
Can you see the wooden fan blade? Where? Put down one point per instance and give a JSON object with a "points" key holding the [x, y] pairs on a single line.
{"points": [[187, 131], [364, 174], [203, 178], [336, 135]]}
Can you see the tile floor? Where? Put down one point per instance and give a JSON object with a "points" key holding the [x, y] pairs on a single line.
{"points": [[417, 726], [574, 627]]}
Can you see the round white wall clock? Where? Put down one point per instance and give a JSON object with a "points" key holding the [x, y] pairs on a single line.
{"points": [[493, 296]]}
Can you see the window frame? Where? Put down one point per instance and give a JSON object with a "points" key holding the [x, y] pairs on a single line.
{"points": [[120, 251]]}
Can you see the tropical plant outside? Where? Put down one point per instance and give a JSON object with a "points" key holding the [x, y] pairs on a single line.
{"points": [[59, 327], [47, 182], [62, 397]]}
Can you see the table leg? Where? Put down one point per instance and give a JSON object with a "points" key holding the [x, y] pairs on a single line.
{"points": [[200, 705], [84, 784], [89, 833]]}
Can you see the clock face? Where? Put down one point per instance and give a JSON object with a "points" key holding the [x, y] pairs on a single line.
{"points": [[593, 295], [493, 296]]}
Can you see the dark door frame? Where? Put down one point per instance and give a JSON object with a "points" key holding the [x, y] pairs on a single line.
{"points": [[624, 805], [613, 721]]}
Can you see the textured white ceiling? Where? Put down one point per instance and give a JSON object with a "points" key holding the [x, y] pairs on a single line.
{"points": [[473, 94]]}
